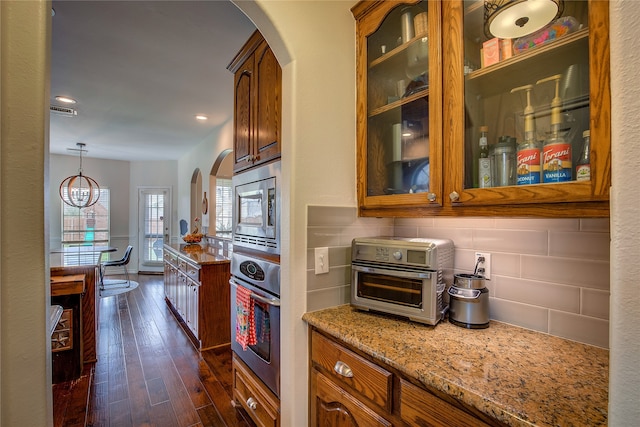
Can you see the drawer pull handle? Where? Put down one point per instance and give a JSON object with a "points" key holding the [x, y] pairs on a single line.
{"points": [[343, 369], [252, 404]]}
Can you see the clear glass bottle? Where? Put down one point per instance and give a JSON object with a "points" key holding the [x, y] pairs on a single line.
{"points": [[484, 162], [583, 165]]}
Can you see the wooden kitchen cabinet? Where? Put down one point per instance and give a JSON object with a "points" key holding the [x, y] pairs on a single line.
{"points": [[350, 389], [199, 296], [253, 396], [257, 104], [399, 105], [474, 95]]}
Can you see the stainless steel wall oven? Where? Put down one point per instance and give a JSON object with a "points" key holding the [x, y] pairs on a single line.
{"points": [[255, 316]]}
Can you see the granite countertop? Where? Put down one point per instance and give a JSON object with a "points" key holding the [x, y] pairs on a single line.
{"points": [[517, 376], [199, 253]]}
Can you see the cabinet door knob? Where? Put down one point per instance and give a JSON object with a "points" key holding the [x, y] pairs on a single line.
{"points": [[343, 369], [454, 196], [431, 197], [252, 403]]}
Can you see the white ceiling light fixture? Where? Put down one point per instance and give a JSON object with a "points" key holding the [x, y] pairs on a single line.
{"points": [[509, 19], [65, 99], [201, 117], [79, 191]]}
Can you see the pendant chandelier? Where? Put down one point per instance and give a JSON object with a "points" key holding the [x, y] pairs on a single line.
{"points": [[509, 19], [81, 191]]}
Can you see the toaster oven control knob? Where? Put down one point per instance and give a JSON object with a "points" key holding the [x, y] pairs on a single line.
{"points": [[252, 403], [397, 255]]}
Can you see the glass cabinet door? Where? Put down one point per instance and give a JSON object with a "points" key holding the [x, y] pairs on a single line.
{"points": [[399, 91], [529, 97]]}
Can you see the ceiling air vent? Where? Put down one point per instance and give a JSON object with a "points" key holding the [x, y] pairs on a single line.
{"points": [[63, 111]]}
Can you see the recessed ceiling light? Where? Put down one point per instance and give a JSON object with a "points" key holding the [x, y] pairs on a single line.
{"points": [[201, 117], [65, 99]]}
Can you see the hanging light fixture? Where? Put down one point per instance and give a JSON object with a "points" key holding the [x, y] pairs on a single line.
{"points": [[509, 19], [81, 190]]}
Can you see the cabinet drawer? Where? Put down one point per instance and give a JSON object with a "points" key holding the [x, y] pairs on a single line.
{"points": [[419, 408], [333, 406], [170, 258], [261, 405], [366, 378], [192, 271]]}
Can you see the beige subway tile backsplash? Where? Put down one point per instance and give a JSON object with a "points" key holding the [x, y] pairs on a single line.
{"points": [[595, 303], [579, 272], [584, 329], [542, 294], [323, 298], [549, 275], [582, 245], [514, 313], [518, 241], [561, 224]]}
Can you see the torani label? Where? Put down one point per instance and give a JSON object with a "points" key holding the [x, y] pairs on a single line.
{"points": [[557, 162], [528, 166]]}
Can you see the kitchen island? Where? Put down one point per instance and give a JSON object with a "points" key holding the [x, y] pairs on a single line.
{"points": [[512, 375], [196, 284]]}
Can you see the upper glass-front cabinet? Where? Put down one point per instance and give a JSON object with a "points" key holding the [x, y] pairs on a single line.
{"points": [[534, 127], [399, 102], [483, 107]]}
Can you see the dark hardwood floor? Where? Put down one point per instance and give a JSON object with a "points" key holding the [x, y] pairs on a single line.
{"points": [[148, 372]]}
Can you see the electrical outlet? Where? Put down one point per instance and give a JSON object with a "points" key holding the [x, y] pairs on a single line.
{"points": [[321, 260], [483, 261]]}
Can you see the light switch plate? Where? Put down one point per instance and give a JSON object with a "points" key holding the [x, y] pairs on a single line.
{"points": [[321, 260]]}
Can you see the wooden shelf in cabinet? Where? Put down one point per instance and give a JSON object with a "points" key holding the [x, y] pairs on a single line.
{"points": [[395, 53], [504, 74], [399, 103]]}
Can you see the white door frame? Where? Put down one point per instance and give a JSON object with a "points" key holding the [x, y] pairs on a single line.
{"points": [[147, 266]]}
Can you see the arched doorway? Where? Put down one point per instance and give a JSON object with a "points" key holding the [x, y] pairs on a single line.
{"points": [[196, 197], [220, 200]]}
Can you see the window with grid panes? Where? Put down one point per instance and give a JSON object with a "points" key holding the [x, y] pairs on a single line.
{"points": [[87, 226], [224, 203]]}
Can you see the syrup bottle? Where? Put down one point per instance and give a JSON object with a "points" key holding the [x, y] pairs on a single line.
{"points": [[484, 162], [583, 166]]}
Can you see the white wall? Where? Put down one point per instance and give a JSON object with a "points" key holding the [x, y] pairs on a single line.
{"points": [[111, 174], [624, 370], [25, 348], [202, 157]]}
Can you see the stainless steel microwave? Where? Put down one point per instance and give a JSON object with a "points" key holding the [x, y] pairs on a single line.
{"points": [[256, 208]]}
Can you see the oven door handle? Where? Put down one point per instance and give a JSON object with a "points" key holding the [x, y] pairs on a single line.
{"points": [[397, 273], [271, 301]]}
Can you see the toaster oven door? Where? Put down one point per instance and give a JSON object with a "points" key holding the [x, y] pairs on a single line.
{"points": [[402, 291], [397, 287]]}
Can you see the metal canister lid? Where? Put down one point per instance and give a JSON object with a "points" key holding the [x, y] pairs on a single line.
{"points": [[506, 144], [469, 281]]}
